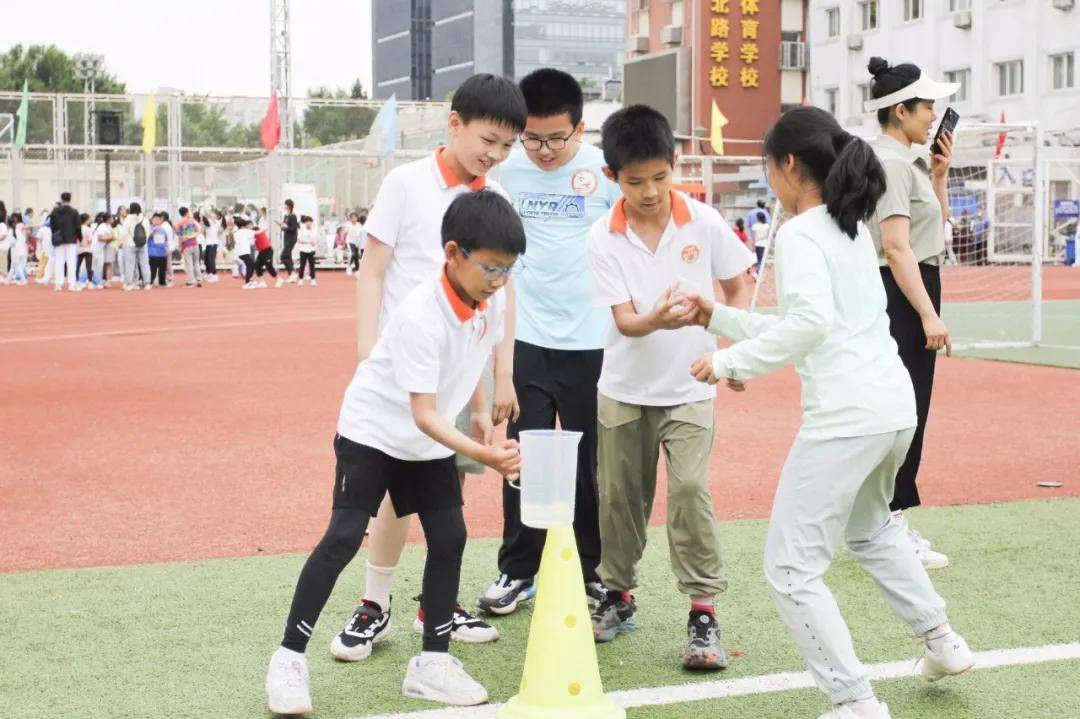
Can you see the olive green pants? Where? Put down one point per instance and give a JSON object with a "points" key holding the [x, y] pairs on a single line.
{"points": [[630, 438]]}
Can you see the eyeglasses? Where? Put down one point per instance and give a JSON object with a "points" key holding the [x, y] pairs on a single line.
{"points": [[553, 143], [493, 273]]}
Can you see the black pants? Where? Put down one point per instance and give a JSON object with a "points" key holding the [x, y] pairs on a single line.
{"points": [[286, 255], [265, 261], [157, 269], [249, 267], [905, 326], [444, 531], [354, 257], [307, 258], [85, 258], [210, 259], [549, 383]]}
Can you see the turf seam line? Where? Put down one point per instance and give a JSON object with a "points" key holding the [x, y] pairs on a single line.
{"points": [[763, 683]]}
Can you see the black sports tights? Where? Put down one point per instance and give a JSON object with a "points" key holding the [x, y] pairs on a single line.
{"points": [[444, 530]]}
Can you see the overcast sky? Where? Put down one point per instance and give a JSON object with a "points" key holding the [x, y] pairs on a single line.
{"points": [[201, 46]]}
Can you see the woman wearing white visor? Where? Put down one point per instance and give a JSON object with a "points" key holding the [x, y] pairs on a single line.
{"points": [[908, 228]]}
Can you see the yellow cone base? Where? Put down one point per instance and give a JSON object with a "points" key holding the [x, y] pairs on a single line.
{"points": [[561, 679]]}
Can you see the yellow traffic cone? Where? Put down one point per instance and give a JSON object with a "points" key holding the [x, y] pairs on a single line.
{"points": [[561, 679]]}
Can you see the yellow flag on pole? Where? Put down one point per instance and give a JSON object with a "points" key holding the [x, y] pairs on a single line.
{"points": [[149, 125], [716, 136]]}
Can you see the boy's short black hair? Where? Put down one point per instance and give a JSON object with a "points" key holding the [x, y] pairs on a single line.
{"points": [[65, 197], [636, 134], [305, 218], [183, 211], [489, 97], [135, 208], [289, 204], [761, 204], [483, 220], [549, 92]]}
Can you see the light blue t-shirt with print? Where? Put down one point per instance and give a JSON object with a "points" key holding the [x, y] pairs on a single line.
{"points": [[554, 294]]}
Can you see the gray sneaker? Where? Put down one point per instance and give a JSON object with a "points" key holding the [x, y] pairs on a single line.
{"points": [[704, 650], [613, 617]]}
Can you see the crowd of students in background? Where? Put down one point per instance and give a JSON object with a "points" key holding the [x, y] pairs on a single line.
{"points": [[135, 250]]}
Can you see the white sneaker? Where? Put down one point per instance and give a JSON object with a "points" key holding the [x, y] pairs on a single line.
{"points": [[313, 283], [945, 656], [348, 270], [280, 283], [930, 559], [858, 710], [440, 677], [288, 683], [250, 286], [261, 284], [465, 628], [148, 287], [292, 279]]}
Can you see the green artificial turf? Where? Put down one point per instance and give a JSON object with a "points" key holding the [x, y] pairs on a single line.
{"points": [[192, 639]]}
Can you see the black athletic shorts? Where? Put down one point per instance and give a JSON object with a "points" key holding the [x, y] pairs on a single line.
{"points": [[364, 475]]}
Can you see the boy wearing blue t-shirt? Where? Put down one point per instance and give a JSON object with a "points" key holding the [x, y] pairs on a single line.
{"points": [[557, 185]]}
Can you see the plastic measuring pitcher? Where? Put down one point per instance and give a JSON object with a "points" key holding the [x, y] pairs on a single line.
{"points": [[549, 459]]}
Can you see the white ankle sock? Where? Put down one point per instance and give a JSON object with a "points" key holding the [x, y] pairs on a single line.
{"points": [[864, 706], [936, 637], [379, 582], [432, 656]]}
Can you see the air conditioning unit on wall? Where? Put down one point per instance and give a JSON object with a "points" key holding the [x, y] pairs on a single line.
{"points": [[671, 35], [962, 19], [1064, 4], [854, 41], [637, 44]]}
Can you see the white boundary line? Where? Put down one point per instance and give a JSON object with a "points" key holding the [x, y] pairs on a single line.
{"points": [[764, 684], [177, 328]]}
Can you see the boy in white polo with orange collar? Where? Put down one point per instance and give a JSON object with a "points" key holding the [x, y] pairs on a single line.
{"points": [[486, 116], [396, 439], [653, 246]]}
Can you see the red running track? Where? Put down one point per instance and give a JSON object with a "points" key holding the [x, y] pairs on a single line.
{"points": [[188, 424]]}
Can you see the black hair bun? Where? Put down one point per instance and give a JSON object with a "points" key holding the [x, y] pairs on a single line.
{"points": [[878, 66]]}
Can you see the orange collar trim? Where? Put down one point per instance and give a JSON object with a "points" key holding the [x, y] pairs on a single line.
{"points": [[680, 212], [452, 180], [461, 310]]}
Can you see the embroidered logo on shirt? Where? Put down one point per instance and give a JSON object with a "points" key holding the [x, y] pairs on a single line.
{"points": [[542, 206], [583, 182], [690, 254]]}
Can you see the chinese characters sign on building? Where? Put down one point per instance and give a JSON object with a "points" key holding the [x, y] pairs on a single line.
{"points": [[733, 43]]}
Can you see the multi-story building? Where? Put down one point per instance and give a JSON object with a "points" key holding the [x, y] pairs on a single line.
{"points": [[586, 38], [424, 49], [1016, 57], [747, 56]]}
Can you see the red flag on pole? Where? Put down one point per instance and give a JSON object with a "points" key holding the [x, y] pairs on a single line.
{"points": [[1001, 139], [271, 125]]}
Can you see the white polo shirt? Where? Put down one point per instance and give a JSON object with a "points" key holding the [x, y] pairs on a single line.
{"points": [[434, 343], [407, 216], [697, 247]]}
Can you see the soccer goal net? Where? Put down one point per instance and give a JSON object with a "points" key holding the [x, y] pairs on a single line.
{"points": [[995, 240]]}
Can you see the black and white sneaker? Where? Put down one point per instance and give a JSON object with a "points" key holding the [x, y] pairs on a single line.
{"points": [[504, 595], [595, 592], [704, 649], [613, 617], [368, 626], [465, 628]]}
